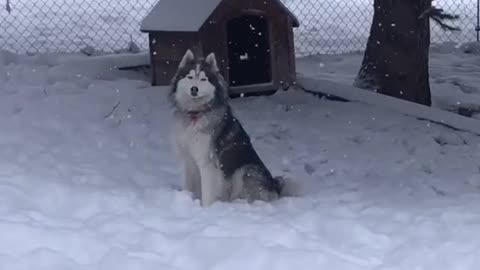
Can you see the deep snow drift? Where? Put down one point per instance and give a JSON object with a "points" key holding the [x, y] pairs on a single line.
{"points": [[88, 180]]}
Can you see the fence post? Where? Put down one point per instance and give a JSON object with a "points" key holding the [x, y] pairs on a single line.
{"points": [[477, 28]]}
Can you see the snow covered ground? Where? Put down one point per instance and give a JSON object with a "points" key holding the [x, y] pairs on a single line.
{"points": [[88, 179], [454, 74], [333, 26]]}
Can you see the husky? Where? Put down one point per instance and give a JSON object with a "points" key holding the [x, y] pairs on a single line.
{"points": [[220, 163]]}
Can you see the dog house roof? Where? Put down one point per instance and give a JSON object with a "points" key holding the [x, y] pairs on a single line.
{"points": [[186, 15]]}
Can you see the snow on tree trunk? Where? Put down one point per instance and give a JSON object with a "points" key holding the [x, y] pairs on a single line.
{"points": [[396, 58]]}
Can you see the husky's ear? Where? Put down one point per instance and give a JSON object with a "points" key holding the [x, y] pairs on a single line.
{"points": [[212, 61], [187, 58]]}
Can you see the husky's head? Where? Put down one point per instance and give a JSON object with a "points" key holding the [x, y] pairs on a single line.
{"points": [[197, 85]]}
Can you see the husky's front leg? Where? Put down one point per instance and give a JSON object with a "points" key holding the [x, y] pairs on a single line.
{"points": [[192, 181], [213, 185]]}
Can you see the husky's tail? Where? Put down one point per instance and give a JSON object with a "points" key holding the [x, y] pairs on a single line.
{"points": [[288, 187]]}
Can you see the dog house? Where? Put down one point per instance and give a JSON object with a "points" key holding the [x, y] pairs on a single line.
{"points": [[252, 40]]}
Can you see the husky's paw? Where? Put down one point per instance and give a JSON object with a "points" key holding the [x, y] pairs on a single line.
{"points": [[289, 187]]}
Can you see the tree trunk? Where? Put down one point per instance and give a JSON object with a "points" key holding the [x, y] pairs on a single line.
{"points": [[396, 59]]}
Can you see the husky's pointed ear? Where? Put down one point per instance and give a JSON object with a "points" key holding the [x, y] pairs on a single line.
{"points": [[212, 61], [188, 57]]}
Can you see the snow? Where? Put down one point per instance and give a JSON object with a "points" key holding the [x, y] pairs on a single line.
{"points": [[324, 87], [471, 48], [88, 178], [165, 15], [454, 74]]}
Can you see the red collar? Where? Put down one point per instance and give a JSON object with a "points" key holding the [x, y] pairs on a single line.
{"points": [[194, 116]]}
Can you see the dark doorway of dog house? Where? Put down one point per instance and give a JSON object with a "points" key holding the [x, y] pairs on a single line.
{"points": [[249, 52]]}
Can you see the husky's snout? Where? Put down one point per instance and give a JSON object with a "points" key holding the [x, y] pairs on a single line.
{"points": [[194, 91]]}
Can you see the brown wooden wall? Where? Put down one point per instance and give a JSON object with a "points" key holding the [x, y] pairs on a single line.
{"points": [[166, 52], [169, 47], [214, 35]]}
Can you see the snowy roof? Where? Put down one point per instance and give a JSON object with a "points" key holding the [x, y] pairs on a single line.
{"points": [[179, 15], [185, 15]]}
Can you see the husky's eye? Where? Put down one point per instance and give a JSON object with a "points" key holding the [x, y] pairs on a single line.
{"points": [[203, 79], [190, 77]]}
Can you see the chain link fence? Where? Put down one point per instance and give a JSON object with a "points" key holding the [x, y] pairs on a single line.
{"points": [[70, 25], [332, 26], [344, 25]]}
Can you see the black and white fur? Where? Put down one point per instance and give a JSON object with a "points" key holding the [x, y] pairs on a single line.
{"points": [[220, 163]]}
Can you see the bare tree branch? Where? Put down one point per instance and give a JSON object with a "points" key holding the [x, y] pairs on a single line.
{"points": [[438, 15], [113, 110]]}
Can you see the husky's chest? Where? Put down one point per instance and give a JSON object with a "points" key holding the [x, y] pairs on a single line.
{"points": [[196, 144]]}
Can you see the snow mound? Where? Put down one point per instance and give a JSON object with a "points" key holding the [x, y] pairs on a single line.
{"points": [[471, 48], [88, 180]]}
